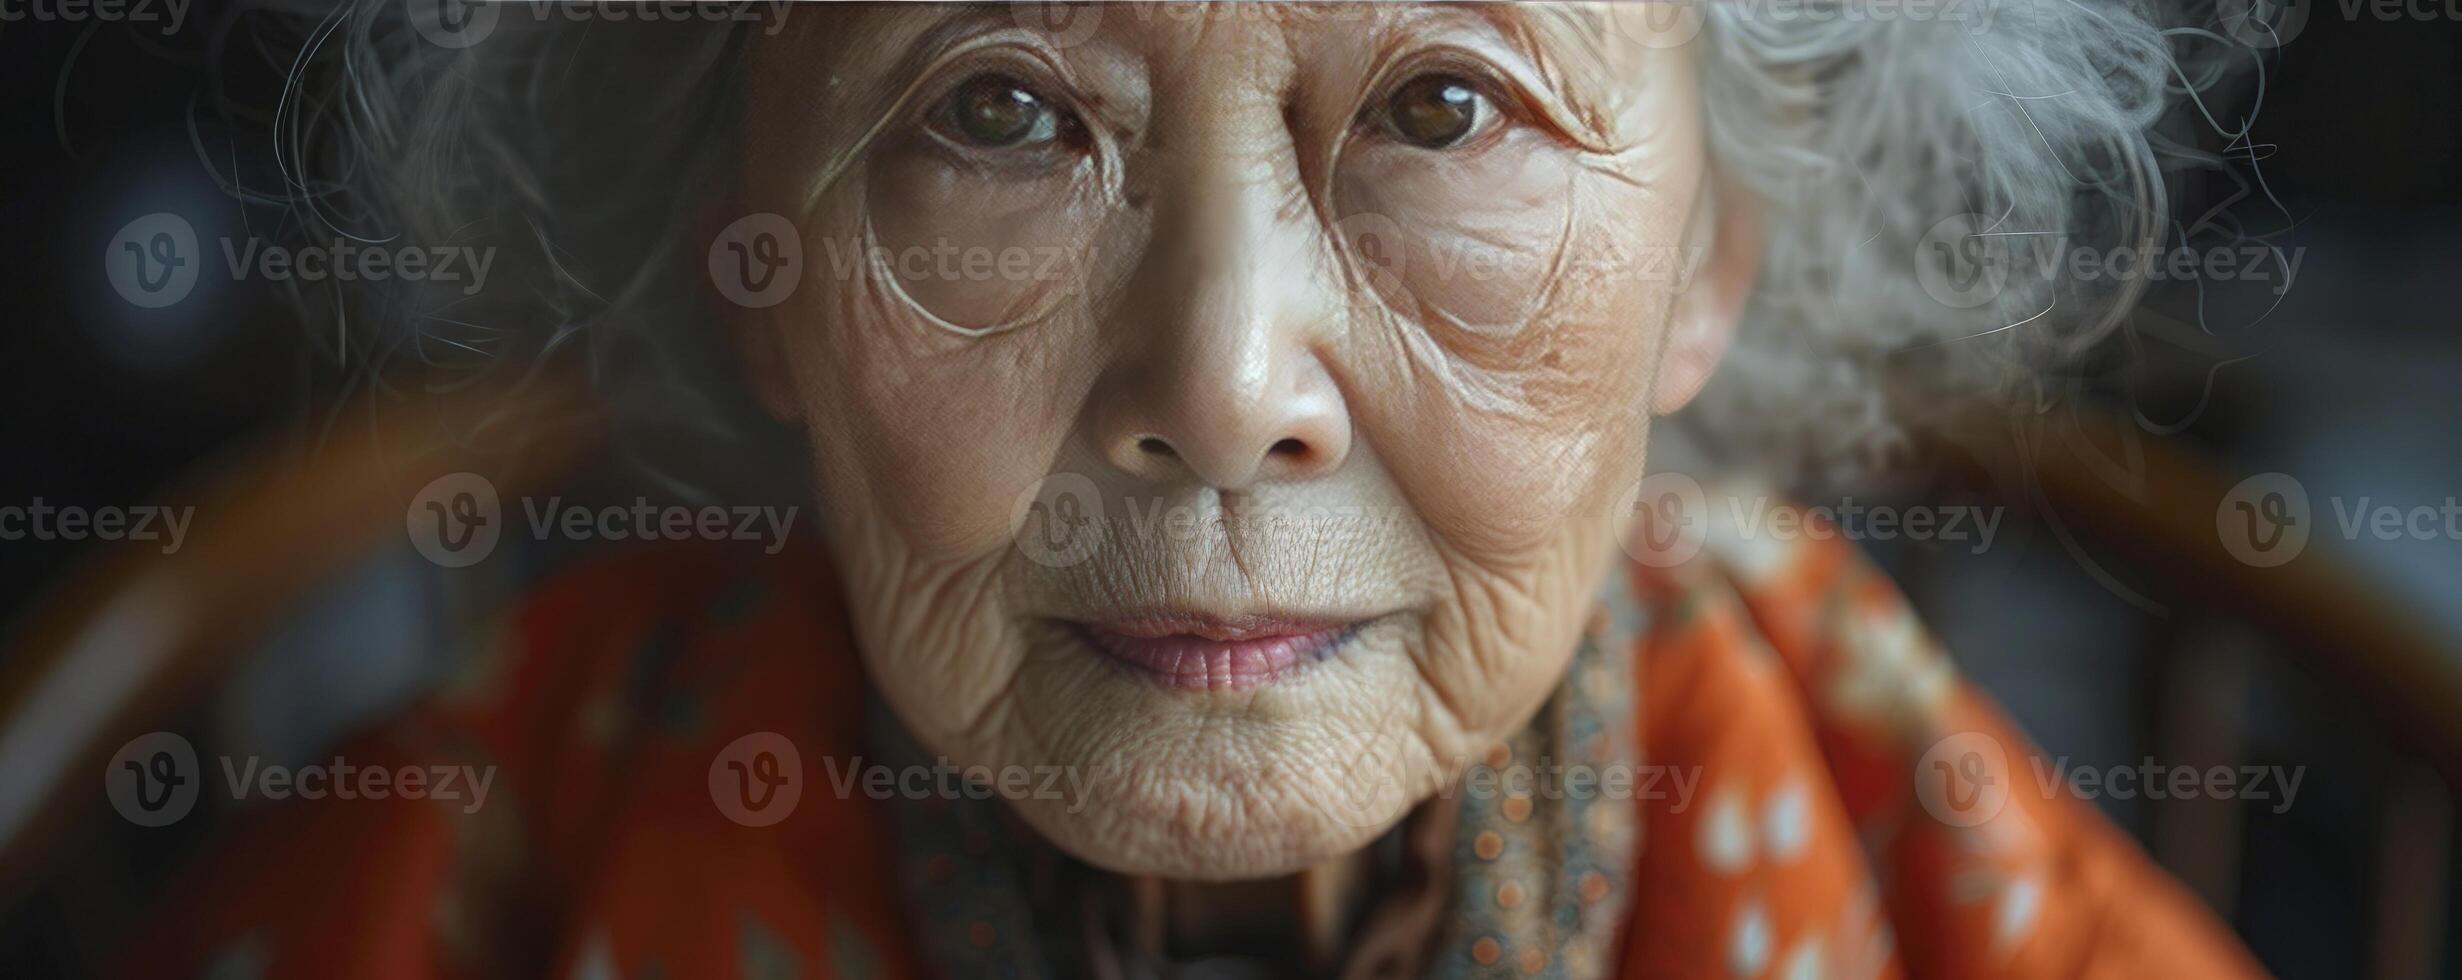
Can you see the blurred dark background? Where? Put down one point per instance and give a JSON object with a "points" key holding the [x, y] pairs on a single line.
{"points": [[2352, 386]]}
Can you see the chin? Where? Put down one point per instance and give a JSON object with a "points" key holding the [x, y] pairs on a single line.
{"points": [[1246, 781], [1205, 829]]}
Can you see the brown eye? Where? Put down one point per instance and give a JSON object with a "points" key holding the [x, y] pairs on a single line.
{"points": [[1435, 111], [997, 112]]}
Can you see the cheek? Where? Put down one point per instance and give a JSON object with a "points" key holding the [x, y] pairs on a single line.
{"points": [[934, 433], [1471, 243], [978, 253], [1501, 438]]}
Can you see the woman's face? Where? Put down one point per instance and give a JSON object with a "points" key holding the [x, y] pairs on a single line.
{"points": [[1228, 408]]}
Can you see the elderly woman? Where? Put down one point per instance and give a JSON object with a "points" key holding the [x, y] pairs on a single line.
{"points": [[1222, 422]]}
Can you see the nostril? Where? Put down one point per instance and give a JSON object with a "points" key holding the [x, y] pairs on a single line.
{"points": [[1289, 447], [1152, 446]]}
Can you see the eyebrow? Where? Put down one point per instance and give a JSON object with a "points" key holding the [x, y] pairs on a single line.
{"points": [[1576, 25], [1560, 40], [958, 21]]}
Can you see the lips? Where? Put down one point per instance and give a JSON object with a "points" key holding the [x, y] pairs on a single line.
{"points": [[1199, 652]]}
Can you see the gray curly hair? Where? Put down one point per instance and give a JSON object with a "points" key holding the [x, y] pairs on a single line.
{"points": [[1863, 126]]}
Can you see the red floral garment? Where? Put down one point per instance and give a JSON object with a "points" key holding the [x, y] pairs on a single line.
{"points": [[1855, 810]]}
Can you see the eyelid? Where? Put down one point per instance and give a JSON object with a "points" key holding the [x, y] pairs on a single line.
{"points": [[936, 110], [1515, 91], [1021, 56], [907, 108], [960, 66], [1502, 110]]}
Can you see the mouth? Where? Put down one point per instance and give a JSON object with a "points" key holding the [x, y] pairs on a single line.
{"points": [[1198, 652]]}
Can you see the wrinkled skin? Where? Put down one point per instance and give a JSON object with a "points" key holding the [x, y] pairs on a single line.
{"points": [[1214, 325]]}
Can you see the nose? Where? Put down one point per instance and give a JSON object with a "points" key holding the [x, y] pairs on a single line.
{"points": [[1215, 420], [1224, 377]]}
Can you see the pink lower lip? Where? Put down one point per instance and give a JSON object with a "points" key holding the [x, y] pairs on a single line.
{"points": [[1243, 657]]}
